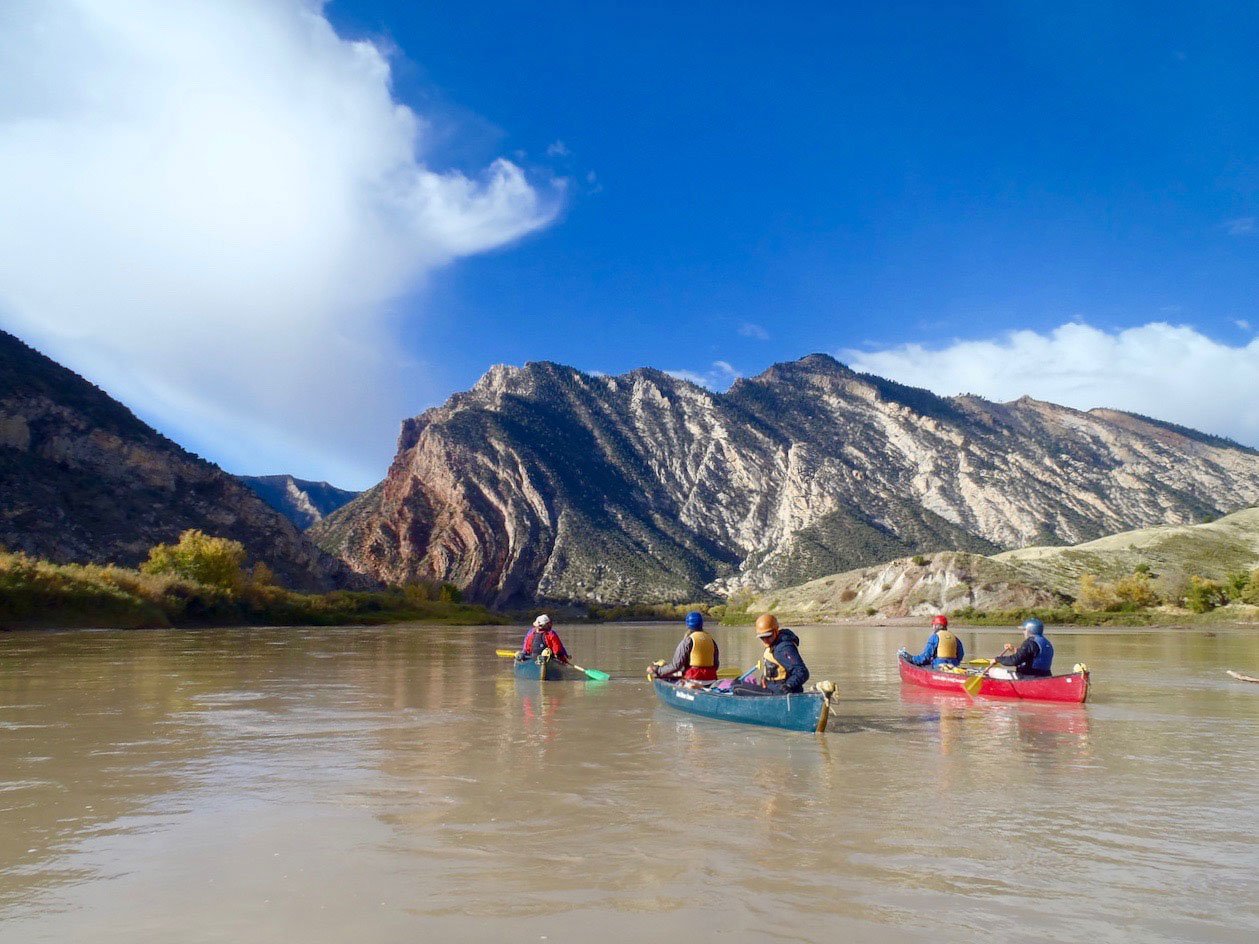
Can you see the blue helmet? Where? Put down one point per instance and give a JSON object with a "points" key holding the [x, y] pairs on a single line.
{"points": [[694, 620], [1034, 626]]}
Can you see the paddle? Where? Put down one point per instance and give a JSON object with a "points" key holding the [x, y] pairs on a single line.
{"points": [[973, 684], [594, 674], [505, 653]]}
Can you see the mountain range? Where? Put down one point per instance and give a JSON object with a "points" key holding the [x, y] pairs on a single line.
{"points": [[303, 502], [546, 483], [82, 479]]}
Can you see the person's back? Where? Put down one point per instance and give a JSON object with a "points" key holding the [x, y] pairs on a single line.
{"points": [[942, 649], [696, 657], [542, 636]]}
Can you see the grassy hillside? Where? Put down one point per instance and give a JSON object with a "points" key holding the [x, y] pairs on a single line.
{"points": [[1160, 572], [1173, 553]]}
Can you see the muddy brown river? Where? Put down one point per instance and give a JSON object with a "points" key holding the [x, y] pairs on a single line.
{"points": [[397, 784]]}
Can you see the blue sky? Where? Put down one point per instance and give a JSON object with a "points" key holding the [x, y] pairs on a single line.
{"points": [[368, 204], [843, 175]]}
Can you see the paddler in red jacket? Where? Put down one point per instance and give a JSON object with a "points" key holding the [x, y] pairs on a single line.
{"points": [[540, 637]]}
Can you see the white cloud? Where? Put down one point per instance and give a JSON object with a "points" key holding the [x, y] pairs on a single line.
{"points": [[1171, 372], [1242, 324], [718, 377], [209, 209], [1242, 226], [558, 149], [755, 331]]}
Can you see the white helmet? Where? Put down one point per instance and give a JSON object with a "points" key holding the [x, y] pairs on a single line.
{"points": [[542, 622]]}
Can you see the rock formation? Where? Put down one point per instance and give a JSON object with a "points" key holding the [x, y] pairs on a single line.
{"points": [[303, 503], [83, 480], [543, 482]]}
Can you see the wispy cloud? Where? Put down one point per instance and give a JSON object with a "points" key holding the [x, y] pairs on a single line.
{"points": [[1242, 226], [209, 209], [1242, 324], [718, 377], [558, 149], [1172, 372], [749, 330]]}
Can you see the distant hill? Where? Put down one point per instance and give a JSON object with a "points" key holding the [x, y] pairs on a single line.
{"points": [[83, 480], [543, 482], [1030, 577], [1172, 552], [303, 503]]}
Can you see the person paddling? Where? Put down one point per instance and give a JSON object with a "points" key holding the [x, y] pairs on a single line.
{"points": [[1032, 659], [943, 648], [782, 670], [542, 637], [696, 656]]}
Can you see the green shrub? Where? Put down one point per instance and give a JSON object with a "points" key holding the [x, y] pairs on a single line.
{"points": [[919, 560], [1204, 595], [215, 562]]}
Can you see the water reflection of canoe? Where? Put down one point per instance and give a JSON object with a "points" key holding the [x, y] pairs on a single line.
{"points": [[1240, 677], [805, 712], [549, 670], [1073, 688]]}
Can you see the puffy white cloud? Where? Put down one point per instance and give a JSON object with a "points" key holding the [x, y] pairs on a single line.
{"points": [[718, 377], [210, 210], [1170, 372]]}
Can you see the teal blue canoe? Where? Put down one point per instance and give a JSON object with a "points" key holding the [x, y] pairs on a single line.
{"points": [[548, 670], [808, 711]]}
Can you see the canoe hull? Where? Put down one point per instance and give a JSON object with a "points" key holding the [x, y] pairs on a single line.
{"points": [[550, 670], [805, 712], [1070, 689]]}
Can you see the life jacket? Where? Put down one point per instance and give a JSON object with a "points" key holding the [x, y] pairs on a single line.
{"points": [[703, 665], [1042, 662], [946, 644], [771, 669], [703, 650]]}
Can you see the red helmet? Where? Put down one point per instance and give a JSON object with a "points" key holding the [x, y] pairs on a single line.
{"points": [[941, 621]]}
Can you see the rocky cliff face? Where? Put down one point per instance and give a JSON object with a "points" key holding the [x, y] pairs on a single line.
{"points": [[82, 479], [304, 503], [546, 483]]}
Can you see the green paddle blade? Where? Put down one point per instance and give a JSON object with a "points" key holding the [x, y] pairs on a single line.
{"points": [[596, 675]]}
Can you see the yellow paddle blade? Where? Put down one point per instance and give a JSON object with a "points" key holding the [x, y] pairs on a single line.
{"points": [[505, 653], [979, 662], [729, 673], [973, 684]]}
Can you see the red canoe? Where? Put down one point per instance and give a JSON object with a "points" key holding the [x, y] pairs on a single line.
{"points": [[1073, 688]]}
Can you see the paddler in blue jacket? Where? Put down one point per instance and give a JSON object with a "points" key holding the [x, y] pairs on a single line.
{"points": [[782, 670], [943, 648], [1033, 658]]}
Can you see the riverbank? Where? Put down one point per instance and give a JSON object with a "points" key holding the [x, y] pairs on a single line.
{"points": [[36, 594]]}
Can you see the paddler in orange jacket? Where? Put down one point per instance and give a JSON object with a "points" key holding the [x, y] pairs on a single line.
{"points": [[696, 656]]}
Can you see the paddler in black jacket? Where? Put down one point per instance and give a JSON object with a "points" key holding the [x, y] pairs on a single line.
{"points": [[782, 670]]}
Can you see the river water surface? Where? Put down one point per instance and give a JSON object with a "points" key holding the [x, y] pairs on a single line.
{"points": [[396, 784]]}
